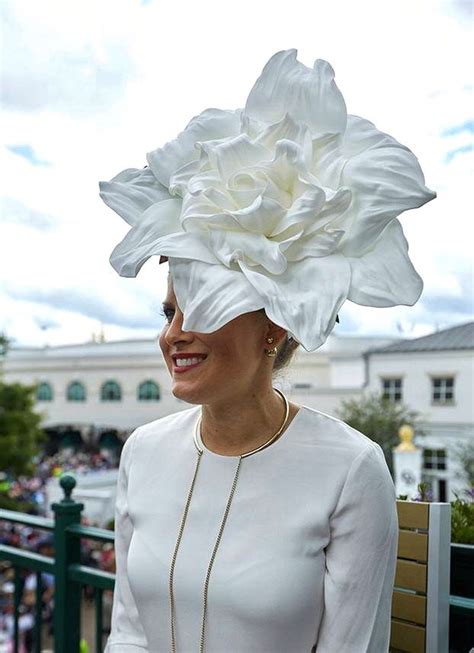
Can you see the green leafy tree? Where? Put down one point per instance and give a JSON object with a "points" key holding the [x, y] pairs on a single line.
{"points": [[462, 518], [4, 344], [20, 432], [463, 452], [379, 419]]}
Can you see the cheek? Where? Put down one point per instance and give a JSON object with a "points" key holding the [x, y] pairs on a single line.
{"points": [[162, 342]]}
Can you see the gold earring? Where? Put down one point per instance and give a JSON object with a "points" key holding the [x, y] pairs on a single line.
{"points": [[271, 353]]}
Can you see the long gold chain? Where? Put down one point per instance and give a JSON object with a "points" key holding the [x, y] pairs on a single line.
{"points": [[226, 512]]}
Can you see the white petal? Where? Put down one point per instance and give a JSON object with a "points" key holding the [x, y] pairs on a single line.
{"points": [[158, 232], [308, 95], [323, 243], [131, 192], [306, 298], [179, 181], [232, 246], [311, 211], [260, 217], [210, 124], [210, 296], [237, 154], [385, 276], [385, 178], [287, 170], [288, 129]]}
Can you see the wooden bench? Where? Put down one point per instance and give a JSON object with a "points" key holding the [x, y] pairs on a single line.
{"points": [[420, 603]]}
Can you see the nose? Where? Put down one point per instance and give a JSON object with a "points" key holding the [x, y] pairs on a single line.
{"points": [[174, 332]]}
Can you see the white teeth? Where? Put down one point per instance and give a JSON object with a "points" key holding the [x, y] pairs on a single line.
{"points": [[182, 362]]}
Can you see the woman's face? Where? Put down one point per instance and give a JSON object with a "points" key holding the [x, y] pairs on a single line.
{"points": [[231, 361]]}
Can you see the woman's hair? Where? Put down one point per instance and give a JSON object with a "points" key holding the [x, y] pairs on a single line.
{"points": [[286, 351]]}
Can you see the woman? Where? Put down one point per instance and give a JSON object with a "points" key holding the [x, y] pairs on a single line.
{"points": [[246, 522]]}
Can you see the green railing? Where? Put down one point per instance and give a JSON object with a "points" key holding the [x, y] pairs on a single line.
{"points": [[66, 568]]}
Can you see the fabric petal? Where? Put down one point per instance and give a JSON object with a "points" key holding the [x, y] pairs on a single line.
{"points": [[157, 233], [237, 154], [232, 246], [260, 217], [385, 178], [210, 296], [131, 192], [210, 124], [306, 298], [308, 95], [385, 276], [287, 129]]}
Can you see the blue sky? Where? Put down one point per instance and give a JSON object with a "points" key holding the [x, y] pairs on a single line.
{"points": [[89, 87]]}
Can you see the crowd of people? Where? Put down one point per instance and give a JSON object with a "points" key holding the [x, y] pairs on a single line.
{"points": [[93, 553]]}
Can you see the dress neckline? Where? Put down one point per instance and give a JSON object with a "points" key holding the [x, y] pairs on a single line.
{"points": [[198, 440]]}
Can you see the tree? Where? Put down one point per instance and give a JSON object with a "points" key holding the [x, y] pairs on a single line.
{"points": [[463, 452], [379, 419], [4, 344], [20, 432]]}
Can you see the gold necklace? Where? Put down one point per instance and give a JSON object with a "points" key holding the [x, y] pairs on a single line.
{"points": [[226, 512]]}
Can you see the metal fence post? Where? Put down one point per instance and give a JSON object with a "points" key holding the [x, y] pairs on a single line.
{"points": [[67, 550]]}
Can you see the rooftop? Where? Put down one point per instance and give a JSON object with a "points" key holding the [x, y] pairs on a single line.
{"points": [[452, 339]]}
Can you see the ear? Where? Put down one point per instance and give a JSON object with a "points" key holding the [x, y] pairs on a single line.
{"points": [[278, 333]]}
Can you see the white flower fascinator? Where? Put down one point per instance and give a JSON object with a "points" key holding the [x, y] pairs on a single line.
{"points": [[289, 204]]}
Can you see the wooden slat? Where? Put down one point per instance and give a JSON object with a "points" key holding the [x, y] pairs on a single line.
{"points": [[413, 514], [413, 546], [409, 607], [411, 576], [406, 637]]}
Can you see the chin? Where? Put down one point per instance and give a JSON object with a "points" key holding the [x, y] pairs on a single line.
{"points": [[189, 396]]}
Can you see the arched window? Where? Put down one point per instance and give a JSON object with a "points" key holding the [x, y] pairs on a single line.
{"points": [[44, 392], [110, 391], [76, 391], [148, 391]]}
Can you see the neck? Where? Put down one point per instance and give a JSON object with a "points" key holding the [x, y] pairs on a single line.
{"points": [[246, 422]]}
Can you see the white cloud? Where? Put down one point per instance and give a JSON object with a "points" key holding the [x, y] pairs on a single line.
{"points": [[91, 87]]}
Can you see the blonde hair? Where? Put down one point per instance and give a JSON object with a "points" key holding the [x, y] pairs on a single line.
{"points": [[286, 352]]}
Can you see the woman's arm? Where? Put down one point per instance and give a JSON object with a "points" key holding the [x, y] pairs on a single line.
{"points": [[127, 634], [361, 560]]}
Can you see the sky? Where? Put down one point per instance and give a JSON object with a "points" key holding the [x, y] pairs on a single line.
{"points": [[88, 88]]}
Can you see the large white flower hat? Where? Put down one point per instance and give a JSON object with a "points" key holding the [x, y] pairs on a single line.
{"points": [[289, 204]]}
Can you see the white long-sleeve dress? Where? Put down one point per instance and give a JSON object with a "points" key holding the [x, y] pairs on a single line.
{"points": [[307, 557]]}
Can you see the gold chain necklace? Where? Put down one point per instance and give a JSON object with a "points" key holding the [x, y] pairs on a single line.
{"points": [[226, 512]]}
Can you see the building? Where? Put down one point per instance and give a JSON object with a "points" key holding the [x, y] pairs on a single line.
{"points": [[434, 376], [97, 388], [120, 385]]}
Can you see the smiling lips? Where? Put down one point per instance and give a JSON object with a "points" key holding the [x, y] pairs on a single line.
{"points": [[183, 364]]}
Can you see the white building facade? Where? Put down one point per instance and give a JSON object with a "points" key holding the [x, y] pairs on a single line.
{"points": [[121, 385], [433, 375], [124, 384]]}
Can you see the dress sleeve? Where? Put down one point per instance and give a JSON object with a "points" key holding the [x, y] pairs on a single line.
{"points": [[361, 560], [126, 634]]}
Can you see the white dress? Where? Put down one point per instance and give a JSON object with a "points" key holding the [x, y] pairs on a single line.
{"points": [[306, 560]]}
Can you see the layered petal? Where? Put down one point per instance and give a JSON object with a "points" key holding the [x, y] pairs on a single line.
{"points": [[156, 233], [306, 298], [210, 124], [132, 192], [211, 295], [308, 95], [385, 276], [386, 179]]}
